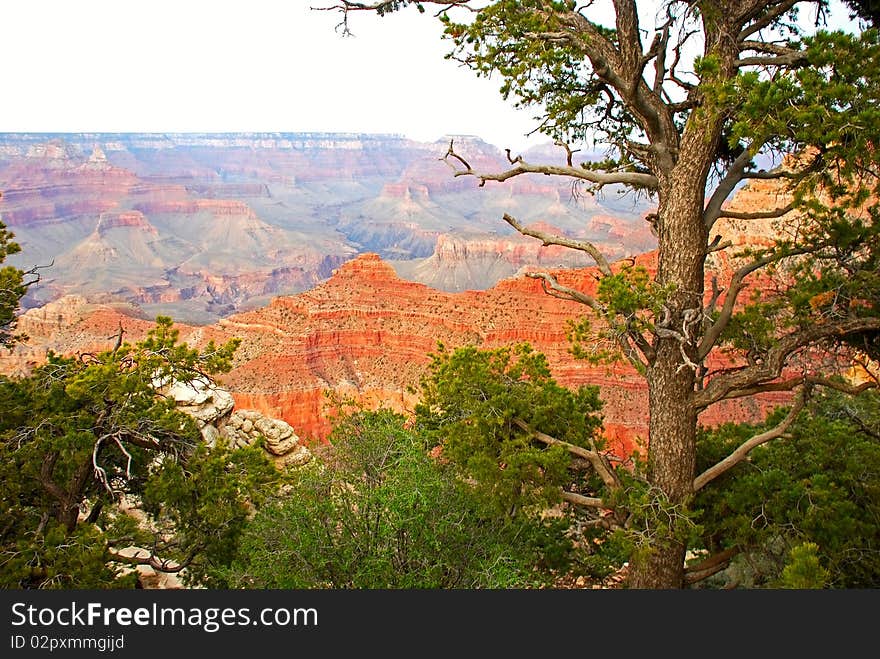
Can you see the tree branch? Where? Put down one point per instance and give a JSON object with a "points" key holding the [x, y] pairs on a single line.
{"points": [[727, 185], [383, 7], [792, 383], [772, 175], [659, 52], [767, 47], [767, 19], [759, 215], [581, 500], [637, 179], [47, 467], [552, 239], [746, 447], [737, 282], [791, 59], [593, 457], [722, 386], [160, 565], [712, 565], [629, 44], [554, 288]]}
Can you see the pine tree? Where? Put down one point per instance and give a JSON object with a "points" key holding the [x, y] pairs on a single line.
{"points": [[691, 100]]}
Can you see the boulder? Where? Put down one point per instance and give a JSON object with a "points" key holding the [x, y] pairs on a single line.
{"points": [[244, 427]]}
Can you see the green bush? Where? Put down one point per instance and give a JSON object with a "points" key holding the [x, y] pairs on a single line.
{"points": [[376, 510]]}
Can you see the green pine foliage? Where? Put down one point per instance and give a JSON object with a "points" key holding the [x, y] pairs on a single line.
{"points": [[82, 435], [12, 288], [481, 409], [375, 510], [804, 570], [473, 404], [820, 486]]}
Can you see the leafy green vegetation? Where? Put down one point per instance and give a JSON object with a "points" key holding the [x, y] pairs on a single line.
{"points": [[82, 436], [12, 288], [375, 510], [480, 407], [804, 510]]}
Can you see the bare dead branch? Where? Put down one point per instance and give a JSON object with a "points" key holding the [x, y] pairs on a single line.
{"points": [[593, 457], [724, 385], [779, 430], [793, 58], [551, 239], [569, 153], [767, 387], [118, 337], [737, 282], [673, 76], [126, 454], [860, 422], [717, 245], [641, 343], [773, 174], [768, 47], [346, 6], [581, 500], [681, 106], [100, 472], [727, 185], [153, 561], [554, 288], [450, 153], [842, 386], [758, 215], [637, 179], [659, 52], [765, 20], [710, 566], [792, 383]]}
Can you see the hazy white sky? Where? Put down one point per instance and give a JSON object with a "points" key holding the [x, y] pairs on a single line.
{"points": [[254, 65], [219, 65]]}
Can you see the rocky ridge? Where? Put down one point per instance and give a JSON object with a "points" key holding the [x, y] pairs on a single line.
{"points": [[213, 409], [366, 333]]}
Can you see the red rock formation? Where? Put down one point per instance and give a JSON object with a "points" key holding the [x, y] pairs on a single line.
{"points": [[229, 219], [216, 207], [406, 191], [49, 182], [134, 219], [367, 334]]}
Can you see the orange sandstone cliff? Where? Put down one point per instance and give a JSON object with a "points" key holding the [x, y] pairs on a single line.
{"points": [[367, 333]]}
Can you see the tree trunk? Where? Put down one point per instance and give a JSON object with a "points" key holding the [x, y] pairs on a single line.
{"points": [[682, 241], [68, 512], [671, 466]]}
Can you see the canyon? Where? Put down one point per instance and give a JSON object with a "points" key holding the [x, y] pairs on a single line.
{"points": [[341, 262], [201, 226], [367, 334]]}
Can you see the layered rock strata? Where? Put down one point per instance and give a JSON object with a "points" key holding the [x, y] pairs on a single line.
{"points": [[367, 334], [202, 226]]}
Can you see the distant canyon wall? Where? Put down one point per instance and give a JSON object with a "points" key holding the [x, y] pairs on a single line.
{"points": [[203, 226], [340, 261]]}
